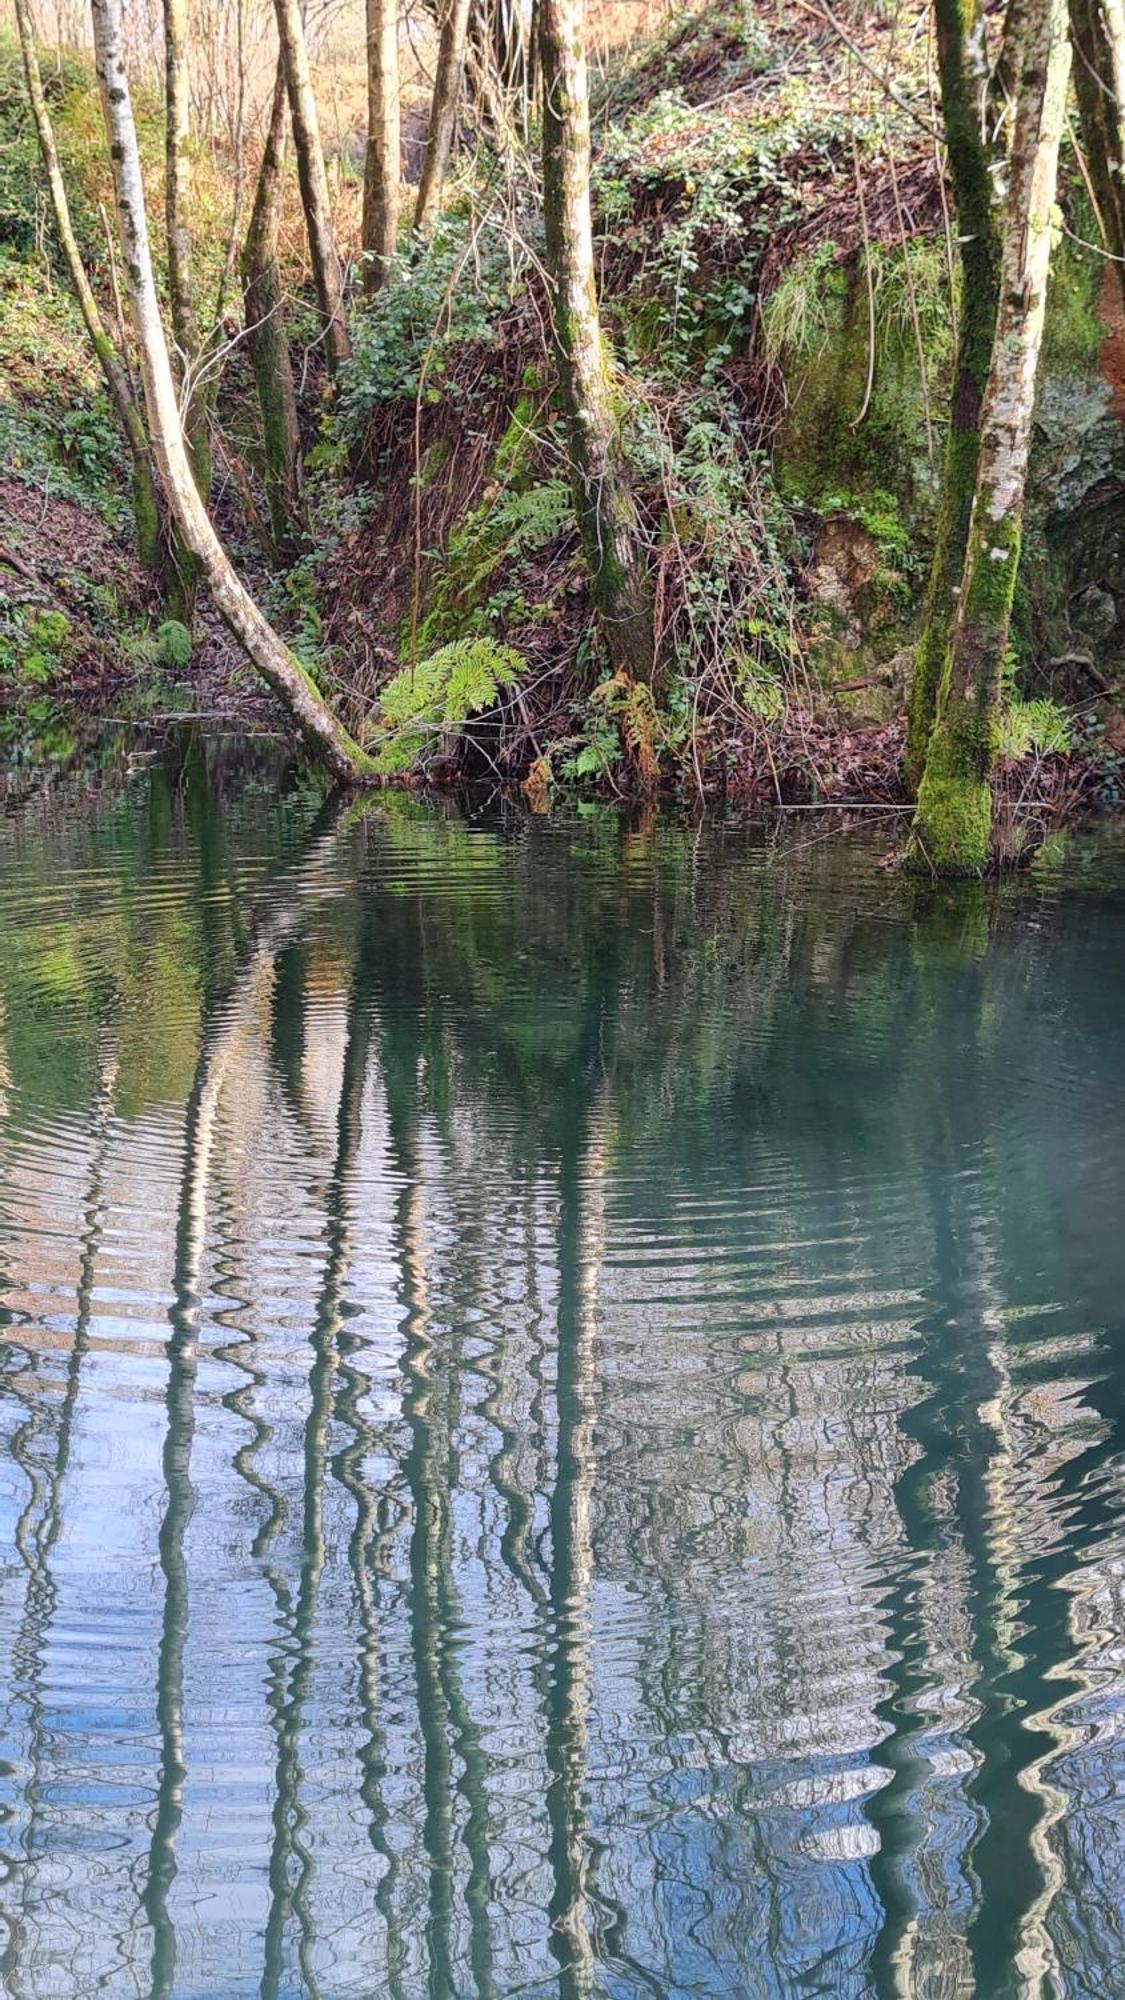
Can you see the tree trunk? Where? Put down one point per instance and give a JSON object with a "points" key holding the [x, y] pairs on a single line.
{"points": [[382, 171], [1097, 29], [443, 114], [327, 274], [607, 517], [146, 506], [976, 328], [953, 822], [177, 211], [266, 336], [278, 666]]}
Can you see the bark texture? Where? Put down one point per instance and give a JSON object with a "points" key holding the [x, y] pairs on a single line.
{"points": [[953, 822], [1097, 30], [266, 336], [383, 166], [279, 667], [328, 275], [976, 328], [443, 113], [604, 505], [146, 507]]}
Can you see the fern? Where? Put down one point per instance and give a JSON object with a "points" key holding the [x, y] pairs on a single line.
{"points": [[1039, 726], [438, 695]]}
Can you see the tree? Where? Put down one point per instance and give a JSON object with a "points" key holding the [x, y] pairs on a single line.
{"points": [[279, 667], [607, 516], [1097, 29], [328, 276], [953, 822], [976, 328], [265, 332], [383, 166], [177, 213], [146, 505], [443, 113]]}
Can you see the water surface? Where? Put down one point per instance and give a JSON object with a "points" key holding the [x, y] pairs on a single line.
{"points": [[562, 1424]]}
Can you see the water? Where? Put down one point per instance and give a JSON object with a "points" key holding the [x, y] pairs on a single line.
{"points": [[561, 1408]]}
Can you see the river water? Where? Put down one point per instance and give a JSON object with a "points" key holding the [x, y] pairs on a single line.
{"points": [[562, 1407]]}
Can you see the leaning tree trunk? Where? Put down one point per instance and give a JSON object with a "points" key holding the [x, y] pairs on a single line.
{"points": [[383, 167], [953, 823], [1097, 29], [327, 273], [607, 517], [266, 336], [277, 665], [976, 328], [146, 505], [443, 114]]}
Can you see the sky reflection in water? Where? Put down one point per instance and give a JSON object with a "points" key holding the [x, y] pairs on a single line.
{"points": [[561, 1409]]}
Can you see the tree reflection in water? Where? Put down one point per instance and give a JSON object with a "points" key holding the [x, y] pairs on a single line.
{"points": [[561, 1426]]}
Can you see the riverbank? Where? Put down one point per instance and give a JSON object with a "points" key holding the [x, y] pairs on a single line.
{"points": [[775, 271]]}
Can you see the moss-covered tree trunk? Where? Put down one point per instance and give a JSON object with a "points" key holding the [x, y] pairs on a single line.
{"points": [[146, 505], [607, 516], [383, 166], [284, 673], [953, 821], [328, 274], [443, 114], [266, 336], [1097, 30], [976, 328]]}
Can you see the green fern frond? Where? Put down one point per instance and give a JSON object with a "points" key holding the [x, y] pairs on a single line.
{"points": [[439, 694]]}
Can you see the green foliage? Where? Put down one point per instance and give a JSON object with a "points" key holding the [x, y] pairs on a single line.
{"points": [[797, 316], [501, 533], [440, 694], [173, 644], [1038, 726], [452, 296], [49, 630]]}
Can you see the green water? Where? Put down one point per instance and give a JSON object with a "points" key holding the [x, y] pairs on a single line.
{"points": [[561, 1407]]}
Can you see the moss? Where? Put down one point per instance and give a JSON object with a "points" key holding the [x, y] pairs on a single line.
{"points": [[952, 831]]}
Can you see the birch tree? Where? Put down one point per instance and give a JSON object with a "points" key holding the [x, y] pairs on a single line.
{"points": [[146, 506], [604, 506], [328, 274], [265, 332], [976, 328], [177, 219], [953, 821], [382, 170], [443, 114], [280, 668]]}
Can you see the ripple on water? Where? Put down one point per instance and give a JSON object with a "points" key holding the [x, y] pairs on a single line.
{"points": [[560, 1422]]}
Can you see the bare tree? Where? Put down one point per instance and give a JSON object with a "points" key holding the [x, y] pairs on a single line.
{"points": [[279, 667], [177, 218], [146, 506], [953, 823], [266, 334], [328, 275], [604, 503], [443, 114], [383, 166], [1097, 30]]}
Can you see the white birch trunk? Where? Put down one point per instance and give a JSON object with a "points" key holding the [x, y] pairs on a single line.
{"points": [[277, 665]]}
